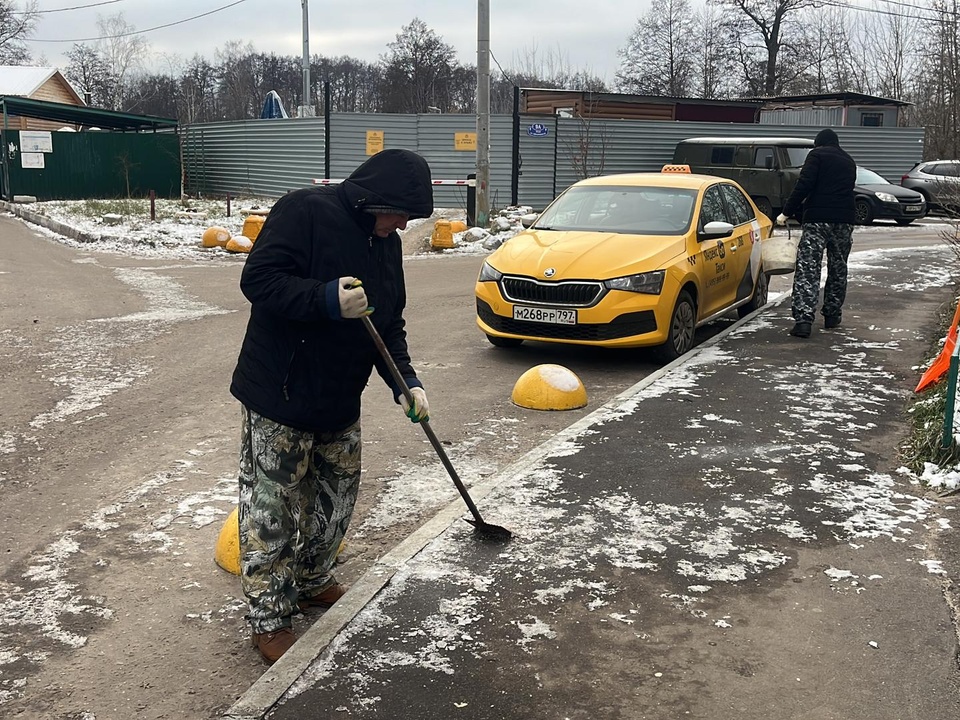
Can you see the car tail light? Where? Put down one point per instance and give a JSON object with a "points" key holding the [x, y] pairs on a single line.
{"points": [[902, 178]]}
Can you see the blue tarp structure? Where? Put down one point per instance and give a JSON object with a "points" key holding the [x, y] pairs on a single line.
{"points": [[272, 107]]}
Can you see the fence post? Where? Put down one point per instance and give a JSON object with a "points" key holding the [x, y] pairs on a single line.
{"points": [[951, 400], [153, 206]]}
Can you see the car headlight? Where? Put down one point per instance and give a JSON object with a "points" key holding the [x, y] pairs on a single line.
{"points": [[886, 197], [650, 283], [489, 274]]}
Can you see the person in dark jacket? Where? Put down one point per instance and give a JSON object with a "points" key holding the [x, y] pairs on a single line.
{"points": [[325, 257], [824, 191]]}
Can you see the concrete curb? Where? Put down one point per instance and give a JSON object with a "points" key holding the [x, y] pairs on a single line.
{"points": [[267, 691], [53, 225]]}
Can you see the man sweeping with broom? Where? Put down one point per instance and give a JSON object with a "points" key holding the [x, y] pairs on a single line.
{"points": [[303, 366]]}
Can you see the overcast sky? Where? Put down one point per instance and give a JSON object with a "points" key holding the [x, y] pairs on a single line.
{"points": [[580, 35]]}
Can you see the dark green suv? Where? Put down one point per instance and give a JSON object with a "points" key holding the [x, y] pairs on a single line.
{"points": [[766, 167]]}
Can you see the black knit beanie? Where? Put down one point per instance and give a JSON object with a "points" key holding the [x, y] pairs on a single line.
{"points": [[826, 137]]}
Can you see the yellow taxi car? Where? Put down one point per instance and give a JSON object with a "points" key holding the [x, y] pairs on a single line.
{"points": [[629, 260]]}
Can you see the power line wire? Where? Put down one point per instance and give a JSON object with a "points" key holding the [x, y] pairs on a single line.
{"points": [[938, 17], [141, 32], [75, 7]]}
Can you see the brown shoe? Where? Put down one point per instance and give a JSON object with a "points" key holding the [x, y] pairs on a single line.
{"points": [[273, 645], [323, 599]]}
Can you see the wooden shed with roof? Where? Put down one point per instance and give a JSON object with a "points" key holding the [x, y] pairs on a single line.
{"points": [[46, 84], [621, 106]]}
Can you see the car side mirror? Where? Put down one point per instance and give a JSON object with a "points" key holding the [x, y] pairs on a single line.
{"points": [[768, 162], [716, 229], [528, 219]]}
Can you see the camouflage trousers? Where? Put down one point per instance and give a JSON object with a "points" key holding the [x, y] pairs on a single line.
{"points": [[836, 239], [297, 493]]}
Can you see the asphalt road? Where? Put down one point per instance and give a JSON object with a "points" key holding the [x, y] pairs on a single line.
{"points": [[117, 463]]}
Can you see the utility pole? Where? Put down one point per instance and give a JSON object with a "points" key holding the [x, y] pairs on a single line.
{"points": [[306, 109], [483, 113]]}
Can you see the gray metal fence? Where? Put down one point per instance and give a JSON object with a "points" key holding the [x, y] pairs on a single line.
{"points": [[272, 157]]}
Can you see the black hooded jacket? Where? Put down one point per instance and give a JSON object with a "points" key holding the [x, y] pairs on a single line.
{"points": [[300, 363], [824, 191]]}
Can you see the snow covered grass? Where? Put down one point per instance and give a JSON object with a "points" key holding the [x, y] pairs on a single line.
{"points": [[125, 225]]}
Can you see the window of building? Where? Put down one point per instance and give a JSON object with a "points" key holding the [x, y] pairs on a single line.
{"points": [[871, 119]]}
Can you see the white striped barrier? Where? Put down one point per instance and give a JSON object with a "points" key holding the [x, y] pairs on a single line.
{"points": [[466, 183]]}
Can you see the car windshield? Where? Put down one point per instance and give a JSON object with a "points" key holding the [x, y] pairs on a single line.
{"points": [[869, 177], [796, 155], [621, 209]]}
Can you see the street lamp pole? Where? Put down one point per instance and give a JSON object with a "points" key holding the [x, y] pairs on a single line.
{"points": [[483, 113], [306, 109]]}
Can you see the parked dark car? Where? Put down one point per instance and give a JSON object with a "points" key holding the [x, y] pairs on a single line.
{"points": [[879, 199], [937, 180]]}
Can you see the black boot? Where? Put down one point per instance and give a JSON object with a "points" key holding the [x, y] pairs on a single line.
{"points": [[801, 329], [831, 321]]}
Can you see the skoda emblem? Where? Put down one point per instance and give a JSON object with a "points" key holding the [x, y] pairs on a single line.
{"points": [[549, 272]]}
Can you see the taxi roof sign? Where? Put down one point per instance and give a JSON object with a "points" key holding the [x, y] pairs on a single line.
{"points": [[676, 169]]}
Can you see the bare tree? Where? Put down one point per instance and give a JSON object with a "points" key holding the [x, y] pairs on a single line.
{"points": [[353, 83], [553, 70], [659, 56], [198, 83], [713, 65], [766, 35], [123, 51], [238, 84], [16, 26], [586, 147], [88, 72], [417, 70], [938, 86], [825, 38]]}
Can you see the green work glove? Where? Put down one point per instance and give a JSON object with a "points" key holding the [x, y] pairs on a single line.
{"points": [[421, 409]]}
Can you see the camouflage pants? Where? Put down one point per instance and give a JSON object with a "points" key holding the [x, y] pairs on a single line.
{"points": [[836, 239], [297, 492]]}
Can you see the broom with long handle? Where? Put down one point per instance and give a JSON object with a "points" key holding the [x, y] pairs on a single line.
{"points": [[492, 532]]}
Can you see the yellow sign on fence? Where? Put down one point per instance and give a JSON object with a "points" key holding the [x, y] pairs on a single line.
{"points": [[465, 141], [374, 141]]}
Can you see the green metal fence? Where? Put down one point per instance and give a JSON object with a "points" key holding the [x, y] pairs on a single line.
{"points": [[92, 164]]}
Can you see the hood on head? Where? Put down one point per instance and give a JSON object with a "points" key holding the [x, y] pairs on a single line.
{"points": [[826, 137], [395, 179]]}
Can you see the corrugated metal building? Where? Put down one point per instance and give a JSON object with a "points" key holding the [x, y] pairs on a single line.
{"points": [[846, 109]]}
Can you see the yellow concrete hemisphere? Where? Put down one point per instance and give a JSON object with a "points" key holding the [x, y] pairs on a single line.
{"points": [[549, 387], [227, 553], [215, 236]]}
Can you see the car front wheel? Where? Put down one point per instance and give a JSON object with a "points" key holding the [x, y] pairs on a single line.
{"points": [[864, 213], [683, 323]]}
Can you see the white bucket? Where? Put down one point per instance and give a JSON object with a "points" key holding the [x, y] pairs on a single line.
{"points": [[779, 254]]}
